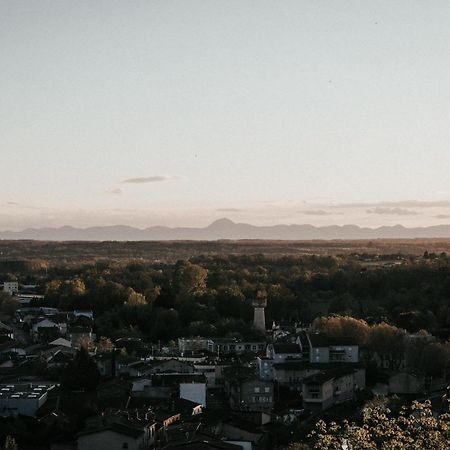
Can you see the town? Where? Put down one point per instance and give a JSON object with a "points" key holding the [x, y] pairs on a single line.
{"points": [[66, 384]]}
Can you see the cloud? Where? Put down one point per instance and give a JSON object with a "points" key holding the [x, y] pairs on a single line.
{"points": [[392, 211], [116, 191], [151, 179], [228, 209], [398, 204], [17, 205], [316, 212], [443, 216]]}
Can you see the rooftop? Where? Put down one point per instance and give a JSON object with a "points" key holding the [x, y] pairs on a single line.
{"points": [[287, 348], [23, 391], [322, 340]]}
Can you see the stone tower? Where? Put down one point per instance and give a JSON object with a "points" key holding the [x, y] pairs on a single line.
{"points": [[259, 318]]}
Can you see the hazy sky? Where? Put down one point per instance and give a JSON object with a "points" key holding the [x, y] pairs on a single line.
{"points": [[181, 112]]}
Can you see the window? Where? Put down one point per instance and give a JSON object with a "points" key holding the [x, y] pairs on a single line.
{"points": [[257, 390], [267, 390]]}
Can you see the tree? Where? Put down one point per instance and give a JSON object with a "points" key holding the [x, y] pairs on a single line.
{"points": [[189, 278], [414, 428], [104, 344], [388, 342], [230, 302], [10, 444], [343, 326], [82, 373], [10, 305], [134, 298]]}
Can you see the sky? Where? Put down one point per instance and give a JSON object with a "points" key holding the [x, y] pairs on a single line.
{"points": [[180, 112]]}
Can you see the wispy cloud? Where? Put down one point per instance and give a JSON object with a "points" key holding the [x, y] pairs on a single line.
{"points": [[151, 179], [116, 191], [228, 209], [316, 212], [397, 204], [392, 211], [443, 216], [17, 205]]}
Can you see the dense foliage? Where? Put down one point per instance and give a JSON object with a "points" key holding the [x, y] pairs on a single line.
{"points": [[211, 295], [413, 428]]}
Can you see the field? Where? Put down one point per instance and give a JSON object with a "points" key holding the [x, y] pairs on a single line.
{"points": [[170, 251]]}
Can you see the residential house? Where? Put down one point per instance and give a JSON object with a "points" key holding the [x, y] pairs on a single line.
{"points": [[280, 352], [170, 365], [246, 434], [6, 330], [117, 433], [44, 330], [326, 349], [195, 345], [213, 371], [252, 394], [235, 347], [324, 389], [318, 391]]}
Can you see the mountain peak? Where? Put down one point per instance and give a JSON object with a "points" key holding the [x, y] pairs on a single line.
{"points": [[221, 224]]}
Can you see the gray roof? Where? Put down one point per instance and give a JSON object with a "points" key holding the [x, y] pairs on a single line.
{"points": [[322, 340], [287, 348]]}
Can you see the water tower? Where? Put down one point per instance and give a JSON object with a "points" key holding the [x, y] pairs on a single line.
{"points": [[259, 317]]}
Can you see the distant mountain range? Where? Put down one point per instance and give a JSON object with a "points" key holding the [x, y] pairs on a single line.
{"points": [[226, 229]]}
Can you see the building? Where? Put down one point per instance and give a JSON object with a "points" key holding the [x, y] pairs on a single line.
{"points": [[194, 392], [326, 349], [233, 346], [324, 389], [280, 352], [196, 344], [265, 368], [22, 399], [251, 394], [11, 287], [118, 433], [318, 391]]}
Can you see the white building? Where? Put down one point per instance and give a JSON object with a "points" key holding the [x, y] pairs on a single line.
{"points": [[23, 399], [11, 287]]}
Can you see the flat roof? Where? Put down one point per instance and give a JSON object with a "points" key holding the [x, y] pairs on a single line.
{"points": [[23, 391]]}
